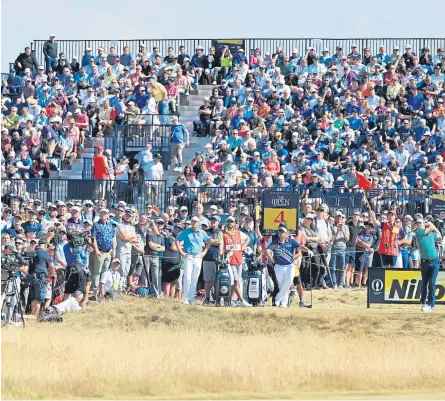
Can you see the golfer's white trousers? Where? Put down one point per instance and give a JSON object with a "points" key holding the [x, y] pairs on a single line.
{"points": [[285, 275], [192, 269]]}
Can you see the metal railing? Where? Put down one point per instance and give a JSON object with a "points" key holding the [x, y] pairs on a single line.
{"points": [[137, 193], [77, 47], [140, 192], [149, 119]]}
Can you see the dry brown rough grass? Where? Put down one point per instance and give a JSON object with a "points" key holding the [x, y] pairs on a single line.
{"points": [[140, 349]]}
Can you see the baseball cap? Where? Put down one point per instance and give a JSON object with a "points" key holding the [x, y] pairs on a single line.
{"points": [[195, 218], [116, 260], [100, 148], [231, 218]]}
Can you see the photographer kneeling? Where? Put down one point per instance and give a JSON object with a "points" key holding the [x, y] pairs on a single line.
{"points": [[39, 270], [72, 304]]}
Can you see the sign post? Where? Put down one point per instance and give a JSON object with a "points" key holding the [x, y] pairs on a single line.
{"points": [[400, 286], [279, 207], [438, 205]]}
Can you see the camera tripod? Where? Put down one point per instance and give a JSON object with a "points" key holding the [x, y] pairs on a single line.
{"points": [[12, 312]]}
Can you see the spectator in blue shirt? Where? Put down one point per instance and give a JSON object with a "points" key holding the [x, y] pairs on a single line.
{"points": [[355, 122], [87, 56], [421, 130], [126, 57], [256, 163], [415, 100], [32, 225], [192, 243]]}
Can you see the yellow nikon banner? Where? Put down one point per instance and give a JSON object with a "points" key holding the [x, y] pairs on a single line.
{"points": [[402, 286]]}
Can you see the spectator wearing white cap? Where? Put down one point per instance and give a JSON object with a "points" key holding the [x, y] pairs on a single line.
{"points": [[125, 238], [179, 137], [110, 279], [50, 52], [104, 246], [192, 243]]}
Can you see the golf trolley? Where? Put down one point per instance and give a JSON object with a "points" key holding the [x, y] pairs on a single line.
{"points": [[258, 290], [222, 283]]}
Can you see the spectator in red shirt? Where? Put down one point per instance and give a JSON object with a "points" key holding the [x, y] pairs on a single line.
{"points": [[82, 123], [101, 172], [437, 177], [6, 140]]}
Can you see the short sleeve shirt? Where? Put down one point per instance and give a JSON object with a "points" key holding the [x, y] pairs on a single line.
{"points": [[193, 240], [283, 252]]}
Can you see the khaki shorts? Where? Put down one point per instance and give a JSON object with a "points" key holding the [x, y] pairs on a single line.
{"points": [[177, 149]]}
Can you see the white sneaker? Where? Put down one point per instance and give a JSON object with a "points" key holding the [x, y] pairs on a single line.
{"points": [[214, 83], [422, 306], [283, 306], [186, 302], [427, 309], [245, 304]]}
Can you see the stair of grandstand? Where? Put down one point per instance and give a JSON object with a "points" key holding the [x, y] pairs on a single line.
{"points": [[188, 114]]}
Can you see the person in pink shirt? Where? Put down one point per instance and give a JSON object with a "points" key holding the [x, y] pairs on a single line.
{"points": [[81, 122], [213, 167], [134, 78], [255, 59], [173, 95], [181, 82], [73, 132]]}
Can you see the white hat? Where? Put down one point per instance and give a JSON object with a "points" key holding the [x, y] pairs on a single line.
{"points": [[195, 218], [208, 145], [52, 35]]}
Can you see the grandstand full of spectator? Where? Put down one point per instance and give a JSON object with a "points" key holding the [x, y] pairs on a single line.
{"points": [[359, 137]]}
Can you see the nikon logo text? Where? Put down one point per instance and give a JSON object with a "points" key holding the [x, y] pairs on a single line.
{"points": [[411, 289]]}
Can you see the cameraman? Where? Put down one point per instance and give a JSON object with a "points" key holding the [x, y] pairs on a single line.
{"points": [[39, 269], [77, 275], [12, 262]]}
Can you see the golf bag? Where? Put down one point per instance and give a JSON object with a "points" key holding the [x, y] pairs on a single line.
{"points": [[222, 287], [257, 282]]}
